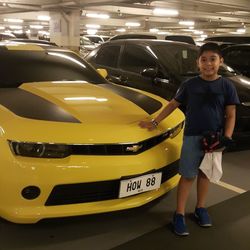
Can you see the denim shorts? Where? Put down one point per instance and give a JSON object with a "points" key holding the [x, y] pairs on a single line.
{"points": [[191, 156]]}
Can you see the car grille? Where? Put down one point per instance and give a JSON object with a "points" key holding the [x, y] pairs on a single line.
{"points": [[98, 191], [121, 149]]}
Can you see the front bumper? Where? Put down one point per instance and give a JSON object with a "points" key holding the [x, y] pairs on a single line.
{"points": [[74, 185]]}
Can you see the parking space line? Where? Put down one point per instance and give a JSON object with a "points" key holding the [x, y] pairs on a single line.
{"points": [[231, 187]]}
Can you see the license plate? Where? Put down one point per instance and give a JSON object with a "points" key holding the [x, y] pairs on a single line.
{"points": [[139, 184]]}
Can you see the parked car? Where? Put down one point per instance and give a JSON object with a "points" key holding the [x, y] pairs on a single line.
{"points": [[86, 46], [238, 57], [96, 39], [70, 141], [159, 67], [6, 36]]}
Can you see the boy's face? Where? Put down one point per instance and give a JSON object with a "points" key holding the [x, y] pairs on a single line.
{"points": [[209, 63]]}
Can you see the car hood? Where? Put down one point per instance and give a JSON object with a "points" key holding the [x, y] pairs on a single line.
{"points": [[79, 111]]}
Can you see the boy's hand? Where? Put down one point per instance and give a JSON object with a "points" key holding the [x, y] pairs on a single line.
{"points": [[215, 142], [147, 124]]}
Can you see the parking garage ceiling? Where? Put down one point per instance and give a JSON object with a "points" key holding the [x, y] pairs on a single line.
{"points": [[210, 16]]}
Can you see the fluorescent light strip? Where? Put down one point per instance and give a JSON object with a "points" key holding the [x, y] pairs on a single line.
{"points": [[165, 12], [95, 15]]}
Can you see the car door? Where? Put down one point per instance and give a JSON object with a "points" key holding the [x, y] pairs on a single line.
{"points": [[107, 56]]}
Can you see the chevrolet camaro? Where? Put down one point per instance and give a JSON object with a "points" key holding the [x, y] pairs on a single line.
{"points": [[70, 141]]}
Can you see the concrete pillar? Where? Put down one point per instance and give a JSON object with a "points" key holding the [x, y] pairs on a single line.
{"points": [[65, 29]]}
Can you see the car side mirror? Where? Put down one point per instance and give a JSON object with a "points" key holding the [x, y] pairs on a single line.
{"points": [[149, 72], [102, 72]]}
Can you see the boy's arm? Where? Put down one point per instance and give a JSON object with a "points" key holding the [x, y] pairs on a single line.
{"points": [[150, 125], [172, 105], [230, 114]]}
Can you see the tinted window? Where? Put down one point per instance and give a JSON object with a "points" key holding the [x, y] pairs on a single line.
{"points": [[178, 58], [108, 56], [238, 57], [181, 60], [136, 59], [17, 67]]}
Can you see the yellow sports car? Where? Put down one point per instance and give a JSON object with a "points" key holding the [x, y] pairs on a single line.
{"points": [[70, 141]]}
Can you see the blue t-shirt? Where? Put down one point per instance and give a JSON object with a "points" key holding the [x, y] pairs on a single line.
{"points": [[205, 103]]}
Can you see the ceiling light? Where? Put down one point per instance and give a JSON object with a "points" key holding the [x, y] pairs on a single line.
{"points": [[165, 12], [38, 27], [188, 23], [15, 27], [163, 33], [241, 30], [198, 32], [18, 31], [94, 26], [95, 15], [121, 30], [43, 18], [43, 32], [91, 31], [12, 20], [132, 24], [153, 30]]}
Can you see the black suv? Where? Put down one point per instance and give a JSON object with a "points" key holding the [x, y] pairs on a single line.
{"points": [[159, 67]]}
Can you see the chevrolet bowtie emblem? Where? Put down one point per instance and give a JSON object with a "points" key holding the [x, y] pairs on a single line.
{"points": [[134, 148]]}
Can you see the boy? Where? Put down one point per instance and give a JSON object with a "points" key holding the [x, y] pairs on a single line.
{"points": [[210, 106]]}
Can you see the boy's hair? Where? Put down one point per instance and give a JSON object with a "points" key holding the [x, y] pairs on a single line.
{"points": [[214, 47]]}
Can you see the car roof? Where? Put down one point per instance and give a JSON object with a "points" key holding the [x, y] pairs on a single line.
{"points": [[229, 38], [148, 42], [133, 36]]}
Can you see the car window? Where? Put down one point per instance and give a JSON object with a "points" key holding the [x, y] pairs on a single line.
{"points": [[181, 59], [238, 57], [108, 56], [178, 58], [136, 59], [17, 67]]}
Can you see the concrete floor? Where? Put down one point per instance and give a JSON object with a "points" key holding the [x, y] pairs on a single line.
{"points": [[106, 231]]}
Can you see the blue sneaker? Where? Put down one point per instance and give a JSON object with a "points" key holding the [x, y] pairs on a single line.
{"points": [[179, 225], [202, 217]]}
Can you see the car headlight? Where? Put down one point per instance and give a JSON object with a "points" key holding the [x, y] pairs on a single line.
{"points": [[40, 150], [176, 130]]}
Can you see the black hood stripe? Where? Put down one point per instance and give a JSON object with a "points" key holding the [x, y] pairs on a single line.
{"points": [[145, 102], [28, 105]]}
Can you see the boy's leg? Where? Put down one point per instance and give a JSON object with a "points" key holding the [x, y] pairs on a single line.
{"points": [[202, 189], [183, 191], [200, 212], [179, 224]]}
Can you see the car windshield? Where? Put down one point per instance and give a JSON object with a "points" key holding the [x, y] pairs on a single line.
{"points": [[17, 67], [182, 59]]}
